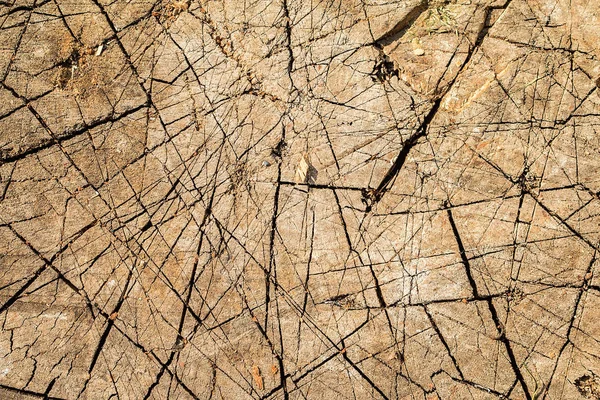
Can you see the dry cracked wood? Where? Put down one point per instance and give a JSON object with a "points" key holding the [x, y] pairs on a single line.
{"points": [[342, 199]]}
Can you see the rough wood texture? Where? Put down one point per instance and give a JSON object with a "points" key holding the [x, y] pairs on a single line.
{"points": [[441, 243]]}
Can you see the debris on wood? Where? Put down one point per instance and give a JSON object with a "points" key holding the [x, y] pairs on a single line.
{"points": [[302, 170], [99, 50], [305, 173], [177, 7], [258, 380], [418, 52], [501, 332], [180, 6], [180, 343], [113, 316], [588, 386], [384, 69], [274, 369]]}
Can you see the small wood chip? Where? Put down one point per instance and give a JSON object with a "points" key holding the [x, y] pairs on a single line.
{"points": [[258, 380], [306, 173], [113, 316], [99, 50], [501, 333], [418, 52], [302, 170], [274, 369]]}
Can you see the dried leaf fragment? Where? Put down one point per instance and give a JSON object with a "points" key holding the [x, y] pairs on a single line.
{"points": [[305, 173], [302, 170], [258, 380]]}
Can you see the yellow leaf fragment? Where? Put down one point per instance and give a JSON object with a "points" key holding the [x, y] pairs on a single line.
{"points": [[302, 170], [305, 172]]}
